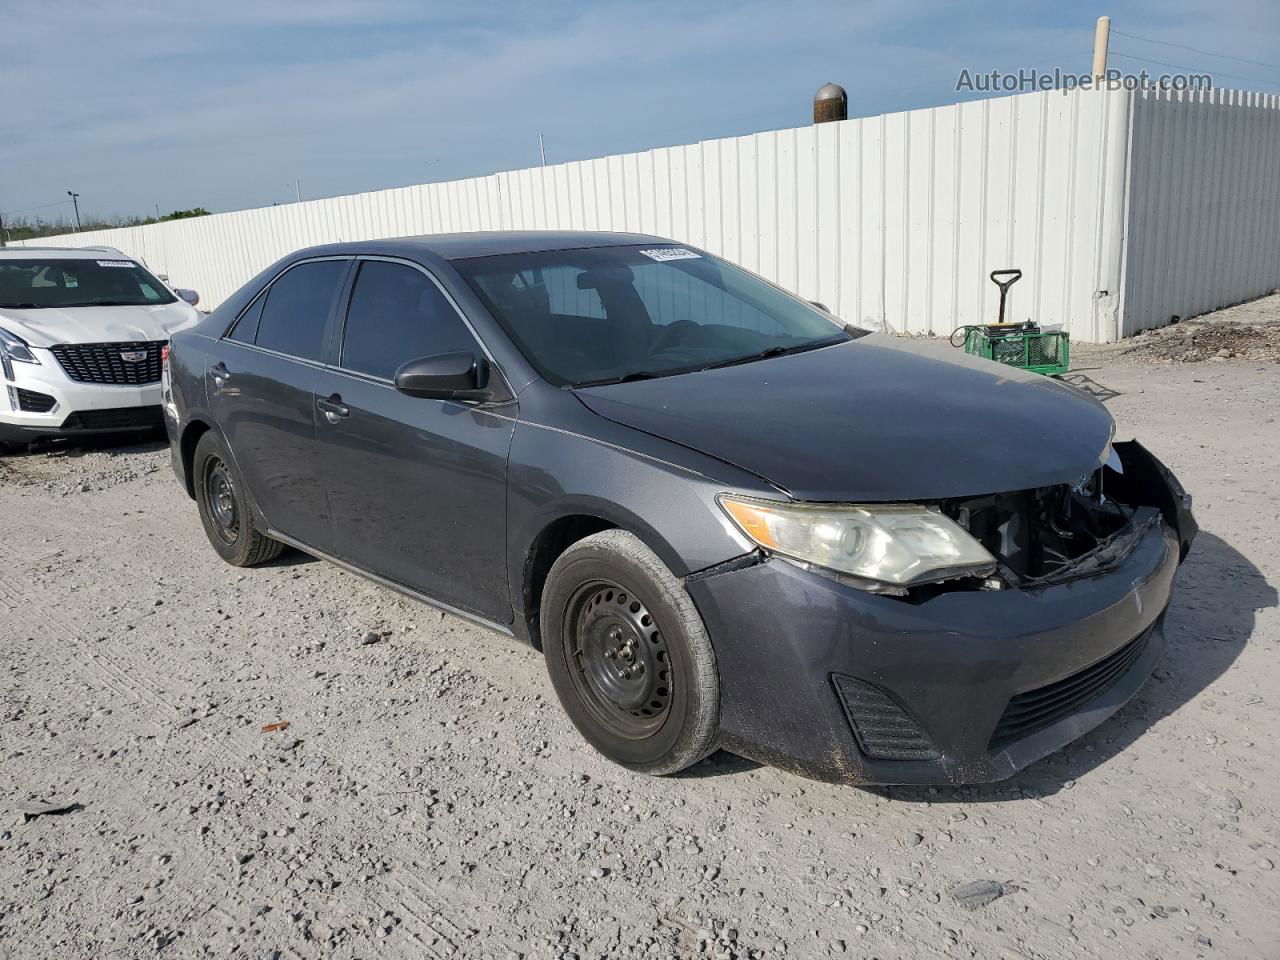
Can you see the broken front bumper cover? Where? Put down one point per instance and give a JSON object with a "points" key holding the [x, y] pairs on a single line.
{"points": [[967, 686], [952, 664]]}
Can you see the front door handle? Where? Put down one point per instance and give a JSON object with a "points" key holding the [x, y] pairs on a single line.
{"points": [[333, 408], [220, 373]]}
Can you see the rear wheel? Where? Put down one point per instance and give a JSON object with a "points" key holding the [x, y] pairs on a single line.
{"points": [[224, 507], [629, 656]]}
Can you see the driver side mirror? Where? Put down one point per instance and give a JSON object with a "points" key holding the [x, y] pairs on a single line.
{"points": [[448, 376], [188, 295]]}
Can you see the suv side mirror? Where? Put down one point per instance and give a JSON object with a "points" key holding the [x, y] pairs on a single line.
{"points": [[447, 376], [188, 295]]}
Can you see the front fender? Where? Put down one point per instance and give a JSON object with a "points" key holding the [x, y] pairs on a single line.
{"points": [[554, 473]]}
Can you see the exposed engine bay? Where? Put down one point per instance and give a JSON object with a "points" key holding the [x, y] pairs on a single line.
{"points": [[1062, 532], [1047, 534]]}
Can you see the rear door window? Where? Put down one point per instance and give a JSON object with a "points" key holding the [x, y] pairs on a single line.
{"points": [[246, 328], [398, 314], [297, 308]]}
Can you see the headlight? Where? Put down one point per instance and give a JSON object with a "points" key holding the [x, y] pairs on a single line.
{"points": [[15, 348], [891, 544]]}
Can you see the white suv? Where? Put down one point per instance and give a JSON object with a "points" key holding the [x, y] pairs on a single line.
{"points": [[81, 337]]}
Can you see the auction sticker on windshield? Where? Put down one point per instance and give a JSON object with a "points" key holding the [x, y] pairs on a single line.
{"points": [[671, 253], [115, 263]]}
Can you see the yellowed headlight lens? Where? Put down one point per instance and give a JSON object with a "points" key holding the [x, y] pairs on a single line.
{"points": [[897, 544]]}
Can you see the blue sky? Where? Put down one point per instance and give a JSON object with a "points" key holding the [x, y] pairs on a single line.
{"points": [[223, 104]]}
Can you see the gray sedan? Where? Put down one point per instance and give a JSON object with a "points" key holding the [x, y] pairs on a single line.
{"points": [[725, 517]]}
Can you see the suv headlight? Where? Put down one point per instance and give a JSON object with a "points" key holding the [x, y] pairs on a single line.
{"points": [[15, 348], [897, 545]]}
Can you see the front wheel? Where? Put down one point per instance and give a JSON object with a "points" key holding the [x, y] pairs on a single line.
{"points": [[224, 507], [629, 656]]}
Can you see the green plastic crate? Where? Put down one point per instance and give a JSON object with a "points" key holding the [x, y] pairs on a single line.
{"points": [[1047, 352]]}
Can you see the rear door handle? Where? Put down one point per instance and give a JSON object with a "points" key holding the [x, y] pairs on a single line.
{"points": [[220, 373], [333, 408]]}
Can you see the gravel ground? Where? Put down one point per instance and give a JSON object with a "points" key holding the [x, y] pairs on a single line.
{"points": [[428, 798], [1249, 331]]}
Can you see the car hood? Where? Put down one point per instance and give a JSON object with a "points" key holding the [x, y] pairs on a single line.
{"points": [[874, 419], [49, 325]]}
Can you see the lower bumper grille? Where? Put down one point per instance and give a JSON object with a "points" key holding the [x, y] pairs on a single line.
{"points": [[31, 402], [1037, 709], [134, 364], [122, 418], [883, 729]]}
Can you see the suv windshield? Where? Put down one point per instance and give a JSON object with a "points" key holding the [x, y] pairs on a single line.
{"points": [[48, 282], [606, 314]]}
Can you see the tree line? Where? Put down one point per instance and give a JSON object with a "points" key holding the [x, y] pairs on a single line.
{"points": [[24, 228]]}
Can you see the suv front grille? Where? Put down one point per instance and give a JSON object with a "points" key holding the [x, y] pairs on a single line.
{"points": [[106, 363], [1037, 709]]}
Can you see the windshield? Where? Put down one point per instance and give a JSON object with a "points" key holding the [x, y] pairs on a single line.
{"points": [[606, 314], [48, 282]]}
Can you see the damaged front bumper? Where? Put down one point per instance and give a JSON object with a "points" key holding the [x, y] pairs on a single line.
{"points": [[963, 686]]}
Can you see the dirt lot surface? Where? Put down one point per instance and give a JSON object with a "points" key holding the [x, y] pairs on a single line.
{"points": [[428, 798], [1250, 331]]}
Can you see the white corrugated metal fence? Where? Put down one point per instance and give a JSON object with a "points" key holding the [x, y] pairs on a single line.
{"points": [[892, 221]]}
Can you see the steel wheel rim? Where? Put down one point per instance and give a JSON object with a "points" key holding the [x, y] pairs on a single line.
{"points": [[220, 500], [618, 659]]}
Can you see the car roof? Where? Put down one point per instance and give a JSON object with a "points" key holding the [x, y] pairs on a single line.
{"points": [[493, 243], [60, 253], [447, 246]]}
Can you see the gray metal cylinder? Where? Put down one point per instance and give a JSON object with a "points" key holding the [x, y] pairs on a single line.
{"points": [[830, 103]]}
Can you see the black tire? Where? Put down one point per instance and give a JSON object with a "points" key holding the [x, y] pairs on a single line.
{"points": [[629, 656], [224, 507]]}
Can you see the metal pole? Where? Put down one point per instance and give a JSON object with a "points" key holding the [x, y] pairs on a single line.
{"points": [[1101, 36], [297, 189], [542, 149], [1109, 299], [2, 230], [75, 202]]}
